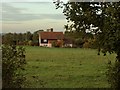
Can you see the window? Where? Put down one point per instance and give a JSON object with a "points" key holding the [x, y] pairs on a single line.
{"points": [[45, 40]]}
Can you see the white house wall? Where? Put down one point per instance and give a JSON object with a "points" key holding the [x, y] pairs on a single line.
{"points": [[45, 45]]}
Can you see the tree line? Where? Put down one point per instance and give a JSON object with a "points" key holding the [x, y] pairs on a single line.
{"points": [[76, 38], [27, 38]]}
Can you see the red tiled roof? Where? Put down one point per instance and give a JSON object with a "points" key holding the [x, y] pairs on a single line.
{"points": [[51, 35]]}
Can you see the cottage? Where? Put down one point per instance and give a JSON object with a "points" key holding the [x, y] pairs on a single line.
{"points": [[48, 37]]}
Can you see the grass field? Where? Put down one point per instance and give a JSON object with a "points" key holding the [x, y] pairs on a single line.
{"points": [[65, 68]]}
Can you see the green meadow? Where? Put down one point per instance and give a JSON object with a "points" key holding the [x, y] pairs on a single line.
{"points": [[65, 68]]}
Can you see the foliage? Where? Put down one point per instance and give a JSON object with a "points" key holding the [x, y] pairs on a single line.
{"points": [[21, 38], [103, 15], [13, 60], [28, 36], [113, 74], [79, 42], [58, 43], [109, 40], [79, 38], [35, 38], [30, 43], [54, 44], [86, 44], [7, 39]]}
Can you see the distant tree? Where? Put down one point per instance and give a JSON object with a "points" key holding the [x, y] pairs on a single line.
{"points": [[7, 38], [28, 36], [15, 37], [39, 31], [35, 37]]}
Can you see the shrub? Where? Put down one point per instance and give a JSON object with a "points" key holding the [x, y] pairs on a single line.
{"points": [[59, 43], [53, 44], [79, 42], [86, 45], [13, 60], [113, 74], [30, 43]]}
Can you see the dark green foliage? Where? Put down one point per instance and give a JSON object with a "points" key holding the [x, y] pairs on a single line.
{"points": [[13, 60], [113, 74], [21, 38], [28, 36], [7, 38], [110, 30], [79, 42], [35, 39]]}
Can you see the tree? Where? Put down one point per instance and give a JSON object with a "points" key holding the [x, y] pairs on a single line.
{"points": [[105, 16], [28, 36], [35, 37], [7, 38], [111, 41]]}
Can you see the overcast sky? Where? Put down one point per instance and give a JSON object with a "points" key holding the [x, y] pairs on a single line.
{"points": [[21, 16], [31, 15]]}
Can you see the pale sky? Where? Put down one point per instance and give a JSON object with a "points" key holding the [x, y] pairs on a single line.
{"points": [[31, 16]]}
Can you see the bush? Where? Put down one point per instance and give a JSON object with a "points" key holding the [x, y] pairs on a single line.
{"points": [[113, 74], [35, 43], [79, 42], [30, 42], [13, 60], [86, 45], [58, 43], [53, 44]]}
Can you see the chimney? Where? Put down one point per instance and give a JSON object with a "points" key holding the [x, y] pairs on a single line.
{"points": [[51, 29]]}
